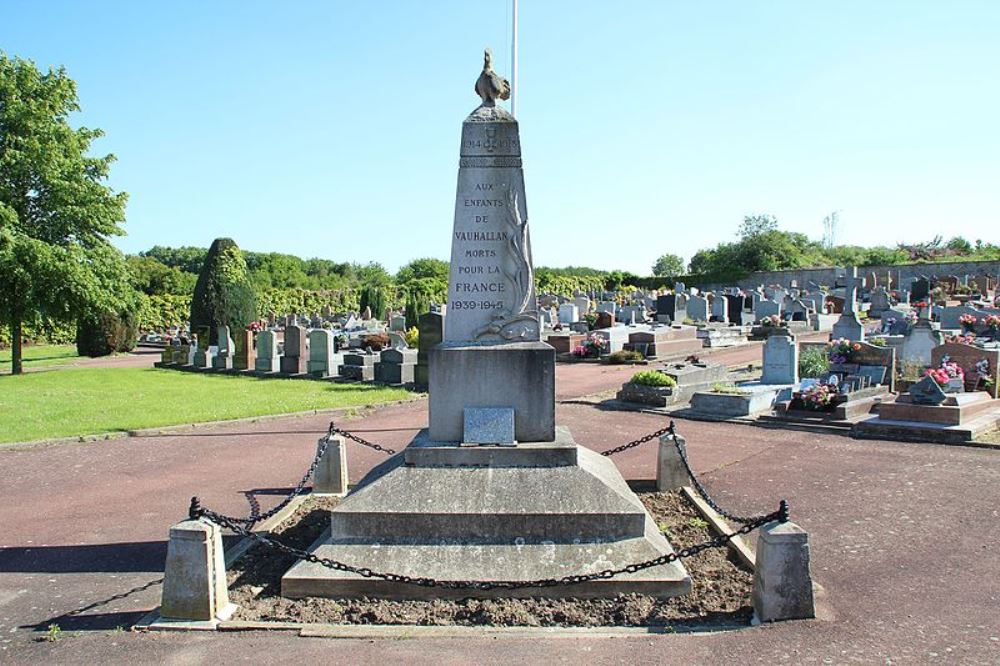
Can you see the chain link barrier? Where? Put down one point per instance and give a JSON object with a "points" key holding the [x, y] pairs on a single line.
{"points": [[363, 442], [715, 542], [243, 527]]}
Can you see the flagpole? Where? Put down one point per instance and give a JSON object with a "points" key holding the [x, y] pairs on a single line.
{"points": [[513, 59]]}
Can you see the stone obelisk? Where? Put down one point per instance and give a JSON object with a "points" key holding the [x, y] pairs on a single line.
{"points": [[492, 367], [492, 490]]}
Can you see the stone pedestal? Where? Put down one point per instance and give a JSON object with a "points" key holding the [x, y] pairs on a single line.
{"points": [[782, 584], [490, 513], [670, 472], [331, 473], [194, 578], [519, 375]]}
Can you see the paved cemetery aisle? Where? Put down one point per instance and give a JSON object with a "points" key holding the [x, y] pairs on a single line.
{"points": [[904, 561]]}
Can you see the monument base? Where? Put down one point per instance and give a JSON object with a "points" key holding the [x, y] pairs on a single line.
{"points": [[441, 511], [521, 375]]}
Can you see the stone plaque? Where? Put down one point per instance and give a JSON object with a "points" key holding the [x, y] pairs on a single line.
{"points": [[927, 392], [489, 425], [491, 291]]}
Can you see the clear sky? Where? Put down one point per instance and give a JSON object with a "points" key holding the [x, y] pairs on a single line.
{"points": [[331, 129]]}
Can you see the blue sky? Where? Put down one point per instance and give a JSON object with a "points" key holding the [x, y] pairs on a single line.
{"points": [[331, 129]]}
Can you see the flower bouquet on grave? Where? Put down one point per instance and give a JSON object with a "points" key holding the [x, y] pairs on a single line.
{"points": [[968, 322], [992, 322], [841, 351], [817, 398], [256, 326], [961, 338], [949, 376], [593, 346], [773, 321]]}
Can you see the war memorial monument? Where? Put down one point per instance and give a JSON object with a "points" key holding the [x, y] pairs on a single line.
{"points": [[493, 489]]}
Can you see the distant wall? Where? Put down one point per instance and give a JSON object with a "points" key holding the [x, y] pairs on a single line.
{"points": [[902, 273]]}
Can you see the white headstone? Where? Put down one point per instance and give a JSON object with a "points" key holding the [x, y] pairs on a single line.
{"points": [[781, 360]]}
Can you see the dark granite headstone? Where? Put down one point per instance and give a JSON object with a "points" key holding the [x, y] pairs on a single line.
{"points": [[875, 374], [927, 392]]}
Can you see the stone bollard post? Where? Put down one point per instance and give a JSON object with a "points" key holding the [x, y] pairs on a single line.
{"points": [[331, 473], [194, 578], [782, 584], [670, 472]]}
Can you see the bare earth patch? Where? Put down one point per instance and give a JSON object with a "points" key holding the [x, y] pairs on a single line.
{"points": [[720, 595]]}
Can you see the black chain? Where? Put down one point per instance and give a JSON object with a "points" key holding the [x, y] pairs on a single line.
{"points": [[255, 515], [638, 442], [715, 542], [363, 442], [682, 452]]}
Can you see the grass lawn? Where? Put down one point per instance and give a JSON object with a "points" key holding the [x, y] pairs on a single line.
{"points": [[36, 356], [86, 401]]}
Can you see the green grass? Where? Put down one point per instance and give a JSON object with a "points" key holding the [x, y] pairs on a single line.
{"points": [[36, 356], [87, 401]]}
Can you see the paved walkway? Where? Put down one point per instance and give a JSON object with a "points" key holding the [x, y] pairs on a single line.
{"points": [[904, 540]]}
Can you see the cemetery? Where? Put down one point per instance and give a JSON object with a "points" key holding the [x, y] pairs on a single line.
{"points": [[217, 453]]}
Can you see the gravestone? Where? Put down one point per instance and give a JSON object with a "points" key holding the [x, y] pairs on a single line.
{"points": [[697, 308], [267, 353], [604, 320], [323, 360], [920, 289], [296, 356], [491, 491], [879, 300], [796, 310], [977, 363], [245, 357], [582, 305], [359, 366], [720, 309], [396, 366], [766, 308], [849, 326], [918, 343], [568, 313], [205, 353], [781, 361], [737, 305], [927, 392], [223, 359]]}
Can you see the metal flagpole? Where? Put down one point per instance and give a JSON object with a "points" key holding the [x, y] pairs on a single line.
{"points": [[513, 60]]}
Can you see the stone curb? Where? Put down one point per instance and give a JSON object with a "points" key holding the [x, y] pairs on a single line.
{"points": [[742, 551], [181, 427]]}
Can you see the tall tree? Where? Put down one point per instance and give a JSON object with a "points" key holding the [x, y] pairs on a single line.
{"points": [[223, 294], [669, 265], [56, 213]]}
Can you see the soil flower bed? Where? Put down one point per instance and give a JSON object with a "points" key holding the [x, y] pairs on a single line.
{"points": [[720, 596]]}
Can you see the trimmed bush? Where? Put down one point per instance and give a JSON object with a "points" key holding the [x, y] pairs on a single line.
{"points": [[625, 356], [103, 333], [223, 294], [652, 378]]}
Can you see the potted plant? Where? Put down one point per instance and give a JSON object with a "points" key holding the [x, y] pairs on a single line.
{"points": [[819, 397], [593, 346]]}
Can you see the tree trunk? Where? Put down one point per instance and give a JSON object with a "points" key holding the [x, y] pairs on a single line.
{"points": [[16, 367]]}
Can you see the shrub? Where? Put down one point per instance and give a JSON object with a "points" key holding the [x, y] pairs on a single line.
{"points": [[103, 333], [814, 362], [625, 356], [652, 378], [377, 341], [412, 337], [223, 294]]}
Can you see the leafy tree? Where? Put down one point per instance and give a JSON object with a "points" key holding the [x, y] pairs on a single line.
{"points": [[223, 295], [155, 279], [56, 213], [756, 225], [187, 259], [423, 268], [959, 245], [669, 265]]}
